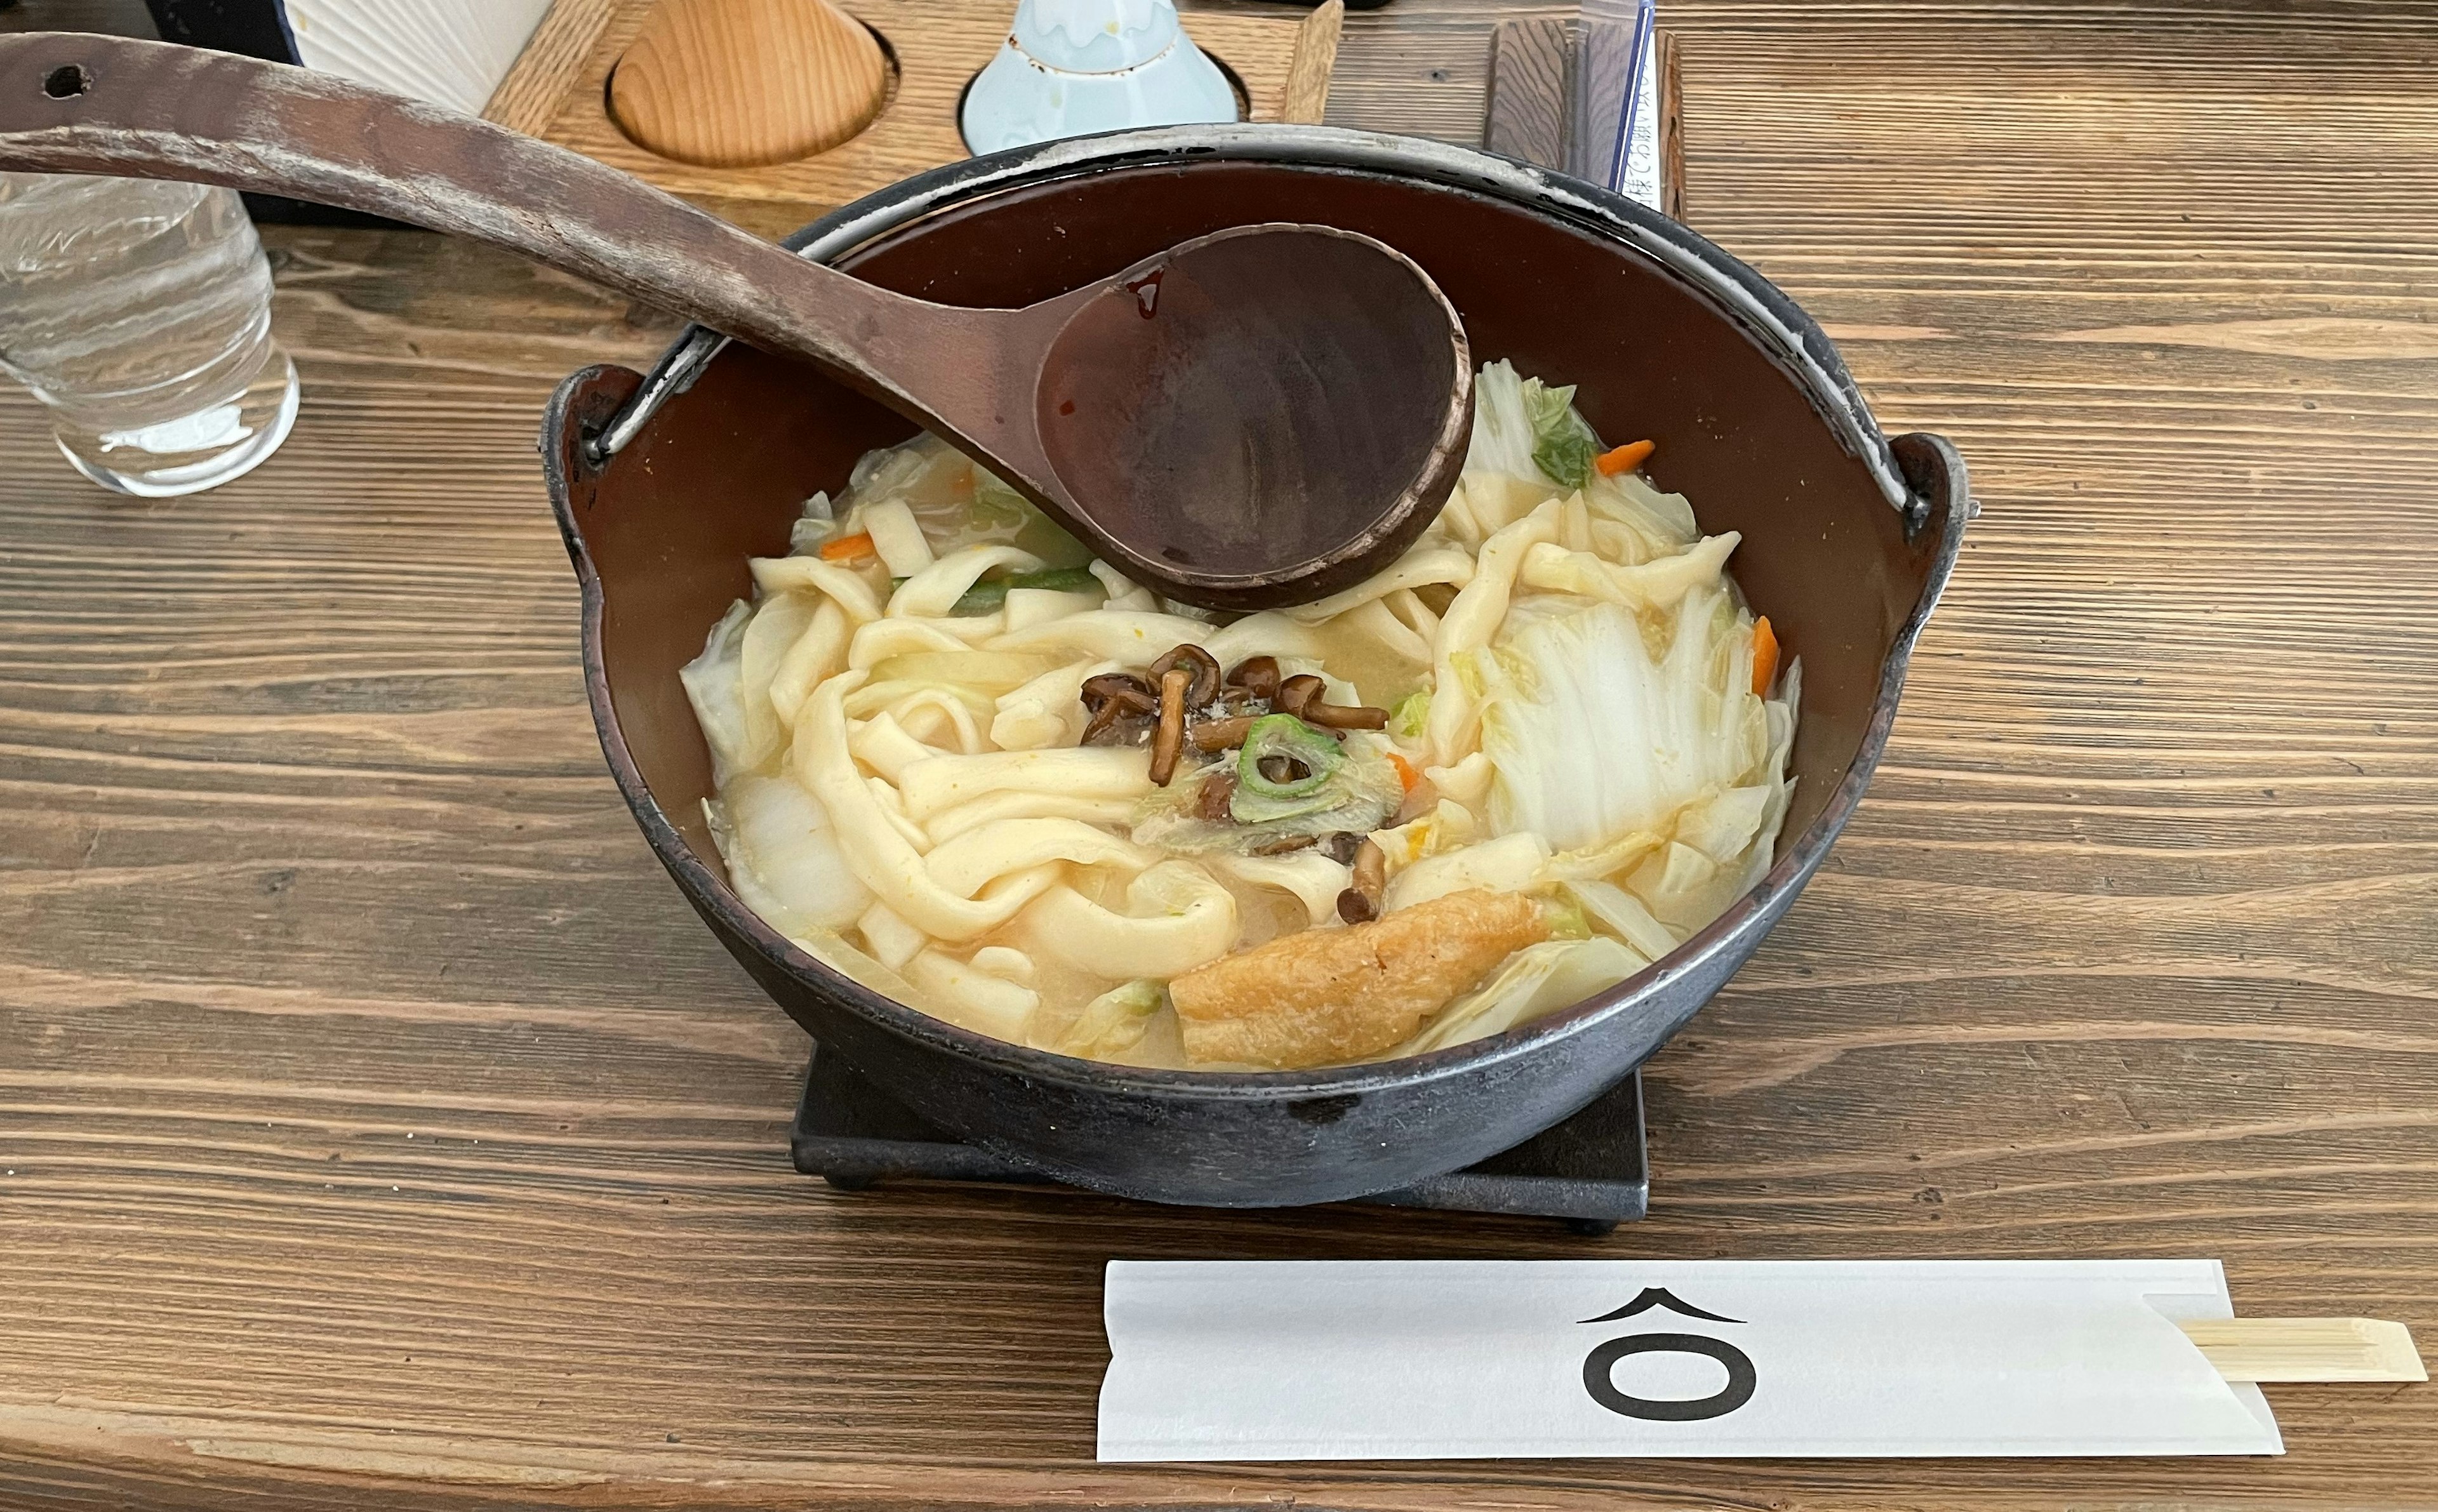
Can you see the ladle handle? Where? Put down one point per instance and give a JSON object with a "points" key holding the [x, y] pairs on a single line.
{"points": [[77, 103]]}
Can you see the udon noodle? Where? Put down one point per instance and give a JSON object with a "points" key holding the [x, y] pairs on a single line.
{"points": [[977, 771]]}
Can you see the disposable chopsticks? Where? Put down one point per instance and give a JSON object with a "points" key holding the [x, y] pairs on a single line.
{"points": [[2306, 1348]]}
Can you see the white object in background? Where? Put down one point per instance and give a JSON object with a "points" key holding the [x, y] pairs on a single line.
{"points": [[1485, 1359], [443, 52], [1077, 67], [1614, 138], [1637, 177]]}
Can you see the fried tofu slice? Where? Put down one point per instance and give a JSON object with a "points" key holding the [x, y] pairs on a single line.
{"points": [[1324, 996]]}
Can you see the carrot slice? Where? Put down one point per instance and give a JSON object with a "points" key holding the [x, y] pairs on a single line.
{"points": [[848, 547], [1406, 772], [1625, 458], [1764, 655]]}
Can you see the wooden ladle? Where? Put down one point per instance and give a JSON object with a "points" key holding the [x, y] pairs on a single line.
{"points": [[1253, 419]]}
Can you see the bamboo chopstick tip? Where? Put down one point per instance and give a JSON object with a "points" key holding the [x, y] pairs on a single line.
{"points": [[2308, 1349]]}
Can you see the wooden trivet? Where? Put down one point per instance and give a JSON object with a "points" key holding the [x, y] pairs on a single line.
{"points": [[1592, 1171]]}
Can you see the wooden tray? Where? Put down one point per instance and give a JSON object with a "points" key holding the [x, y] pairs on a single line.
{"points": [[558, 90]]}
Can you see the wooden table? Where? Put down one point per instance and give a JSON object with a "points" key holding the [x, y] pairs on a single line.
{"points": [[379, 1128]]}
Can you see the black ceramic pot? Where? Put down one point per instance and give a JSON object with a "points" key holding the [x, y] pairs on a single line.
{"points": [[665, 486]]}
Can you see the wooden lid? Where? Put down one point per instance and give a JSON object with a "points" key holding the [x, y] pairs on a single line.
{"points": [[733, 83]]}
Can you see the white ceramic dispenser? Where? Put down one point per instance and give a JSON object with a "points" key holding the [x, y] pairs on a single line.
{"points": [[1078, 67]]}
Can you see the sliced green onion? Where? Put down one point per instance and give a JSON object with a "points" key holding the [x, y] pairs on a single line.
{"points": [[1285, 735], [990, 595], [996, 503], [985, 597], [1058, 580]]}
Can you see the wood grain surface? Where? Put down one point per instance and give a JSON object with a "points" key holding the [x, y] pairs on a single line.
{"points": [[379, 1128], [528, 97], [1526, 113], [732, 83], [1304, 98]]}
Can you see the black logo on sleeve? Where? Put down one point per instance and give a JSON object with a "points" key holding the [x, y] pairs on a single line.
{"points": [[1600, 1366]]}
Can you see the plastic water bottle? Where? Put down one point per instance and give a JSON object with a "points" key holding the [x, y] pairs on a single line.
{"points": [[139, 314]]}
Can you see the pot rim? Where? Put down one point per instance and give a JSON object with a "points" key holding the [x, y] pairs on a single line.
{"points": [[1921, 476]]}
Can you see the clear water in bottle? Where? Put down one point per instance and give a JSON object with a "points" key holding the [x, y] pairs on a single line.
{"points": [[139, 314]]}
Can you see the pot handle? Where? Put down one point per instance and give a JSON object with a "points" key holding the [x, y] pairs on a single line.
{"points": [[1941, 505], [585, 404], [1935, 473]]}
